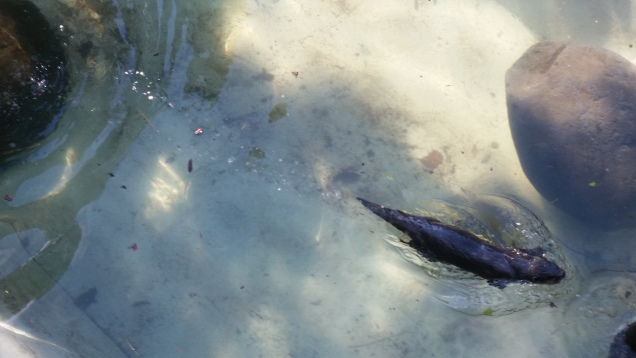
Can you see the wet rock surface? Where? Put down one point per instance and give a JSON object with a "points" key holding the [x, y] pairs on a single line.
{"points": [[572, 113], [33, 79]]}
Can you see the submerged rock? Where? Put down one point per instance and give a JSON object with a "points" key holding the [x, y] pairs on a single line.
{"points": [[572, 113]]}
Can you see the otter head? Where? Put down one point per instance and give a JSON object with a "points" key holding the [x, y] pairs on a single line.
{"points": [[544, 271]]}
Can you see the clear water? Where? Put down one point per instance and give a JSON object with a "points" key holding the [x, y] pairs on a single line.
{"points": [[112, 247]]}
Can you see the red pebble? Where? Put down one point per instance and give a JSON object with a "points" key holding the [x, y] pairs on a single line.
{"points": [[8, 197], [133, 247]]}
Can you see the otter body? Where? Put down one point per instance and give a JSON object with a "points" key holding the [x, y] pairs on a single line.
{"points": [[453, 245]]}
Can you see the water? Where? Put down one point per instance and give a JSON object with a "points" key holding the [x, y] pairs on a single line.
{"points": [[266, 252]]}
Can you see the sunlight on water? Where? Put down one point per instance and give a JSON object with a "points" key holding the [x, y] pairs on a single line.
{"points": [[168, 189]]}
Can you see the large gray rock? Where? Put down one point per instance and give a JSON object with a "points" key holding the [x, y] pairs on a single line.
{"points": [[572, 113]]}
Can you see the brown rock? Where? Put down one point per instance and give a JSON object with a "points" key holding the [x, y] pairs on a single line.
{"points": [[572, 113]]}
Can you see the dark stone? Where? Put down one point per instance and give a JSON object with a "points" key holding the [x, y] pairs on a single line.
{"points": [[624, 344], [572, 113], [33, 79]]}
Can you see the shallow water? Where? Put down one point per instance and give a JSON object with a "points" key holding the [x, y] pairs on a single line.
{"points": [[113, 247]]}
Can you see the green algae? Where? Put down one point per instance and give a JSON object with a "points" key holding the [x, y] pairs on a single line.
{"points": [[279, 111]]}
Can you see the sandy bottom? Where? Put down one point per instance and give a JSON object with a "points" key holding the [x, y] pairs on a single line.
{"points": [[261, 249]]}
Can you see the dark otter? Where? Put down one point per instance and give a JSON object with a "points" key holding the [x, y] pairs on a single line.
{"points": [[453, 245]]}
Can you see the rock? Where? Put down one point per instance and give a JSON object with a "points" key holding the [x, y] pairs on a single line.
{"points": [[572, 113], [624, 344]]}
